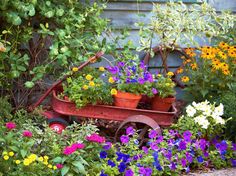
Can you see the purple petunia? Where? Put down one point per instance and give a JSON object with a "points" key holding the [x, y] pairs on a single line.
{"points": [[152, 134], [121, 167], [129, 131], [154, 91], [233, 147], [183, 162], [111, 163], [141, 81], [102, 173], [189, 157], [103, 154], [233, 162], [129, 172], [187, 136], [172, 166], [154, 146], [200, 159], [113, 70], [124, 139], [107, 146], [145, 149], [121, 64], [182, 145]]}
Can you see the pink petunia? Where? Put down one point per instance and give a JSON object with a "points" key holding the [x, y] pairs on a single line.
{"points": [[59, 166], [95, 138], [10, 125], [27, 133]]}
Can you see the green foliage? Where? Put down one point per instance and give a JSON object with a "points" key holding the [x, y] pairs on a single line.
{"points": [[228, 99], [87, 89], [43, 37], [5, 108], [164, 85]]}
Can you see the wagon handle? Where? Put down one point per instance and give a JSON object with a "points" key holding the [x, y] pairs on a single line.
{"points": [[90, 60]]}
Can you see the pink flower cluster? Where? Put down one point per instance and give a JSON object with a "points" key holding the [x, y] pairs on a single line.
{"points": [[27, 133], [95, 138], [59, 166], [10, 125], [71, 149]]}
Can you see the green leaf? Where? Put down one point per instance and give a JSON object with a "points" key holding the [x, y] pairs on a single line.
{"points": [[21, 68], [64, 170], [57, 159], [29, 84], [14, 148], [23, 153], [32, 10], [16, 20], [80, 166]]}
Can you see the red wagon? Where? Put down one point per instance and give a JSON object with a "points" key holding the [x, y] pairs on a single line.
{"points": [[149, 118]]}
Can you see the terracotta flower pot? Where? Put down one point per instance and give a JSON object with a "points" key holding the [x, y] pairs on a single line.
{"points": [[162, 104], [126, 100]]}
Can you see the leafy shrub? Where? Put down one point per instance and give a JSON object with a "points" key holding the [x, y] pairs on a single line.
{"points": [[29, 29], [5, 108]]}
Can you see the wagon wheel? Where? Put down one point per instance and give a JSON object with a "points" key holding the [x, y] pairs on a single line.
{"points": [[141, 123]]}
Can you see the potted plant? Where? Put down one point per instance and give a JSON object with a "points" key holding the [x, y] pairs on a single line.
{"points": [[85, 89], [163, 92], [130, 81]]}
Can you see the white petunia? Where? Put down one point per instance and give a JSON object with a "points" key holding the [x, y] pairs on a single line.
{"points": [[219, 110], [190, 111]]}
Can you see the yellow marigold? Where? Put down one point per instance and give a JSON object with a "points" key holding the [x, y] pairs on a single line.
{"points": [[91, 83], [222, 55], [40, 158], [6, 157], [75, 69], [17, 161], [54, 167], [111, 80], [194, 66], [85, 87], [11, 153], [46, 157], [26, 162], [89, 77], [45, 163], [180, 70], [50, 166], [170, 74], [113, 91], [101, 69], [33, 157], [185, 79]]}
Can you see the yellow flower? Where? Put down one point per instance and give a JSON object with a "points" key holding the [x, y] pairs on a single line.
{"points": [[222, 55], [170, 74], [185, 79], [111, 80], [194, 66], [54, 167], [32, 157], [85, 87], [232, 54], [113, 91], [216, 66], [45, 157], [223, 45], [75, 69], [45, 162], [50, 166], [206, 55], [5, 157], [89, 77], [224, 66], [180, 70], [26, 162], [18, 161], [226, 72], [101, 69], [91, 83], [11, 153], [190, 52], [40, 158], [159, 75]]}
